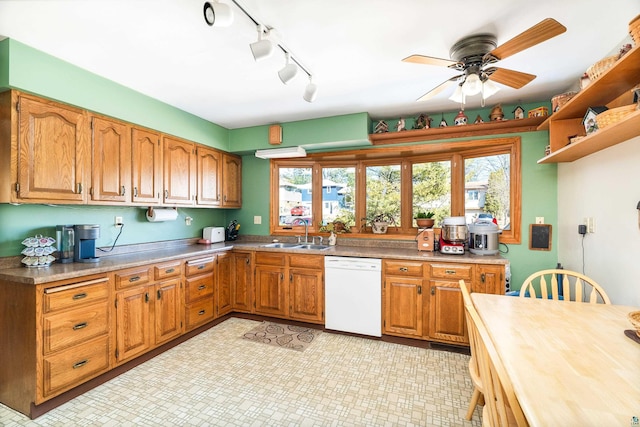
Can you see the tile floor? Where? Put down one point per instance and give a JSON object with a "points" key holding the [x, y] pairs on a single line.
{"points": [[219, 379]]}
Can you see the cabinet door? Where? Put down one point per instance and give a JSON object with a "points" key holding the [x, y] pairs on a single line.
{"points": [[306, 295], [403, 306], [231, 181], [133, 331], [146, 163], [179, 172], [270, 292], [167, 310], [446, 312], [111, 161], [223, 284], [53, 155], [209, 177], [489, 279], [242, 284]]}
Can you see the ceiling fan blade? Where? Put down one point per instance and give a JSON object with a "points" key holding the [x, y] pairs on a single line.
{"points": [[429, 60], [542, 31], [514, 79], [436, 90]]}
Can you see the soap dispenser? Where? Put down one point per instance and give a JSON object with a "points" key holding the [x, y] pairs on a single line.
{"points": [[332, 239]]}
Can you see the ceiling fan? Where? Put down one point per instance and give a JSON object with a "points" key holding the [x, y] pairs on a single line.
{"points": [[475, 55]]}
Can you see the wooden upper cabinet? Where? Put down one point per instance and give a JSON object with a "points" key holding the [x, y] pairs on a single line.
{"points": [[209, 177], [111, 161], [179, 171], [52, 152], [231, 181], [146, 163]]}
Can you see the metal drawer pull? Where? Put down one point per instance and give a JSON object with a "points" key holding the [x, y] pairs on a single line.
{"points": [[201, 287], [80, 296], [200, 267], [403, 269], [134, 279], [450, 272], [80, 326], [482, 278], [159, 294], [80, 364], [170, 270], [201, 312]]}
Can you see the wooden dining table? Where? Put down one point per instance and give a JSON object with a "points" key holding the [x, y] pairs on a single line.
{"points": [[570, 363]]}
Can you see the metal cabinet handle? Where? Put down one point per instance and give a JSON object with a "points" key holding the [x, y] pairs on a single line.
{"points": [[146, 297], [135, 191], [201, 312], [122, 192], [159, 294], [433, 290], [79, 188], [449, 272], [80, 364], [419, 290], [482, 277], [134, 279], [170, 270], [200, 267], [79, 296], [403, 269], [248, 261], [201, 287], [80, 326]]}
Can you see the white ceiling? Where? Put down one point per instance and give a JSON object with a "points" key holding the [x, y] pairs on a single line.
{"points": [[164, 49]]}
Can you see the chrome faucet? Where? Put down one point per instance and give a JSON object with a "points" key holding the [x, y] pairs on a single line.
{"points": [[306, 230]]}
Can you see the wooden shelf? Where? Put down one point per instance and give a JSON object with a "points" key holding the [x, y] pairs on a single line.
{"points": [[479, 129], [613, 89], [603, 138]]}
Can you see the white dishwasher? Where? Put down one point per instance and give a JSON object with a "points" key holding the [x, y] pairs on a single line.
{"points": [[353, 295]]}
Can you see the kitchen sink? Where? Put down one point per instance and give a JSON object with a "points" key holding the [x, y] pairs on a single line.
{"points": [[281, 245], [314, 247]]}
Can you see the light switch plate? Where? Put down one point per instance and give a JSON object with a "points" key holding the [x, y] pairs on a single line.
{"points": [[257, 219], [539, 220]]}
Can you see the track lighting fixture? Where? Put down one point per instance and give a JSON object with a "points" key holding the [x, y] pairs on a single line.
{"points": [[289, 71], [220, 14], [263, 48]]}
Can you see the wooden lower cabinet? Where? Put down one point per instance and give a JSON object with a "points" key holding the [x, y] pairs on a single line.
{"points": [[223, 274], [424, 301], [199, 291], [271, 296], [242, 282], [167, 311], [306, 295]]}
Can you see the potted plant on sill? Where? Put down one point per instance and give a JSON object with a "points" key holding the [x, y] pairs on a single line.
{"points": [[425, 219], [379, 222]]}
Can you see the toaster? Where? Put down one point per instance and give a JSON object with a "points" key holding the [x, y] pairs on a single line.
{"points": [[213, 234]]}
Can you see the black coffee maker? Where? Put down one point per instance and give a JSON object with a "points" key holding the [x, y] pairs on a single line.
{"points": [[84, 249], [231, 232]]}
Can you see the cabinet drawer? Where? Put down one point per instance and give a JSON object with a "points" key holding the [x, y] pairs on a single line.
{"points": [[403, 268], [199, 266], [306, 261], [167, 269], [199, 287], [451, 271], [76, 294], [269, 258], [74, 366], [133, 277], [73, 327], [199, 313]]}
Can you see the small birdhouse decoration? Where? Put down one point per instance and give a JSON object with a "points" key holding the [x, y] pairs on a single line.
{"points": [[478, 120], [496, 113], [589, 120], [518, 113], [381, 127], [443, 122], [460, 119], [400, 125], [422, 122]]}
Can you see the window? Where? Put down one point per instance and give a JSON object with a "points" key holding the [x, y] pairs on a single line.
{"points": [[475, 179]]}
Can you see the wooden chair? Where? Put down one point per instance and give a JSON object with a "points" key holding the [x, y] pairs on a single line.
{"points": [[474, 370], [501, 407], [574, 287]]}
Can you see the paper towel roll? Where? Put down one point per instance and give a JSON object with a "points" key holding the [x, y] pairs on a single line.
{"points": [[159, 215]]}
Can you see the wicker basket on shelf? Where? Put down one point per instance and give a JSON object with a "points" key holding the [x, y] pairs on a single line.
{"points": [[634, 318], [614, 115], [634, 29], [600, 67]]}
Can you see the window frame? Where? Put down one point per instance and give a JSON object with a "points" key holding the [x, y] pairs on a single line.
{"points": [[456, 152]]}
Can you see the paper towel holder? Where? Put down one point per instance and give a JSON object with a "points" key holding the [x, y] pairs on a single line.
{"points": [[150, 210]]}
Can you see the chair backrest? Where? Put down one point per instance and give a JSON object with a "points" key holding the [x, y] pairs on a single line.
{"points": [[466, 296], [559, 284], [501, 404]]}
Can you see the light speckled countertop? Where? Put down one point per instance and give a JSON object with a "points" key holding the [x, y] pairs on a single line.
{"points": [[110, 263]]}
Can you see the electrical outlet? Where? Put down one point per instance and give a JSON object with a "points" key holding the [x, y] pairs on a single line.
{"points": [[591, 225], [187, 220], [257, 219], [539, 220], [118, 222]]}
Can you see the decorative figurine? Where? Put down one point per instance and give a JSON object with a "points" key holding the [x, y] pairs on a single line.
{"points": [[518, 113], [496, 113], [400, 125], [382, 127], [461, 119], [478, 120], [423, 122], [589, 120], [443, 122]]}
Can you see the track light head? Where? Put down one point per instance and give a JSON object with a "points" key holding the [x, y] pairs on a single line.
{"points": [[218, 14], [311, 91], [289, 71], [263, 48]]}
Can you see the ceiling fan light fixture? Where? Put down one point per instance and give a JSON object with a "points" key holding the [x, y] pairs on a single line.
{"points": [[472, 85], [457, 94], [263, 48], [489, 88]]}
